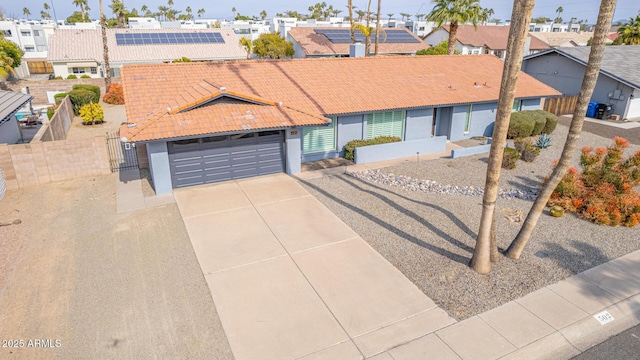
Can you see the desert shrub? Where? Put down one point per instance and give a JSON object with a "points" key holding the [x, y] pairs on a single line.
{"points": [[92, 114], [57, 78], [510, 158], [71, 76], [57, 98], [93, 88], [85, 76], [551, 123], [520, 125], [605, 191], [50, 112], [114, 94], [80, 97], [528, 152], [544, 141], [350, 147]]}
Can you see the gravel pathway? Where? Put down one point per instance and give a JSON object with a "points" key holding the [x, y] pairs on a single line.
{"points": [[429, 234]]}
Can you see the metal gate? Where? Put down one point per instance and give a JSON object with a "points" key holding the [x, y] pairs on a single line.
{"points": [[122, 156]]}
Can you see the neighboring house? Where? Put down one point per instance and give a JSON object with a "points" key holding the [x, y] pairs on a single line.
{"points": [[80, 52], [483, 40], [554, 27], [31, 36], [10, 103], [336, 42], [618, 83], [205, 123], [565, 39]]}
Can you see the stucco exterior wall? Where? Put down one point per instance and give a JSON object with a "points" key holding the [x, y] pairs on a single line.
{"points": [[159, 166], [418, 124], [10, 131]]}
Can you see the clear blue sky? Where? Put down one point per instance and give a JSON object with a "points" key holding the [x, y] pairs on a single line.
{"points": [[580, 9]]}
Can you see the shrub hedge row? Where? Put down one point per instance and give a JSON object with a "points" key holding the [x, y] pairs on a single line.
{"points": [[531, 123], [350, 147]]}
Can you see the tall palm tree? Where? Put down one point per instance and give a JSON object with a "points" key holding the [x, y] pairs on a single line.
{"points": [[518, 31], [605, 15], [559, 11], [162, 12], [390, 15], [26, 12], [361, 14], [629, 33], [200, 12], [350, 6], [404, 15], [82, 4], [375, 52], [485, 15], [120, 11], [105, 48], [455, 12]]}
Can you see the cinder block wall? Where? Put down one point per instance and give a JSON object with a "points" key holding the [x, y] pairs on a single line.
{"points": [[44, 162]]}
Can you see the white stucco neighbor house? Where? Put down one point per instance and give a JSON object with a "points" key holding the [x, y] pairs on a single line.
{"points": [[80, 51]]}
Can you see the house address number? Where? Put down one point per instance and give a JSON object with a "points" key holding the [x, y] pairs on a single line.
{"points": [[604, 317]]}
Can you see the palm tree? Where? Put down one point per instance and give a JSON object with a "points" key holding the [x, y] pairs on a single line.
{"points": [[163, 11], [390, 15], [405, 15], [263, 14], [455, 12], [117, 6], [105, 48], [605, 15], [350, 7], [82, 4], [420, 16], [233, 10], [170, 3], [375, 52], [518, 31], [26, 12], [335, 12], [200, 12], [366, 32], [629, 33], [559, 11], [361, 14], [485, 15]]}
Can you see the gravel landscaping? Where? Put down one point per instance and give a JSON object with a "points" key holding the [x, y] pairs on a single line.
{"points": [[423, 218]]}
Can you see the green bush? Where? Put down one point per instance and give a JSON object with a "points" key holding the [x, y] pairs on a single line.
{"points": [[71, 76], [57, 98], [510, 158], [57, 78], [531, 123], [80, 97], [528, 152], [350, 147], [50, 112], [93, 88], [521, 125], [85, 76]]}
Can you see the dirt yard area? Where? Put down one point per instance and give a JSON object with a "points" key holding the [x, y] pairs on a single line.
{"points": [[80, 281], [114, 115]]}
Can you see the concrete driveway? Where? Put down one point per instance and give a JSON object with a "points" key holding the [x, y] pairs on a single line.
{"points": [[290, 280]]}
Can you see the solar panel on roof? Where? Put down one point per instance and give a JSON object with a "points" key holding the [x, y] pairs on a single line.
{"points": [[343, 36], [168, 38]]}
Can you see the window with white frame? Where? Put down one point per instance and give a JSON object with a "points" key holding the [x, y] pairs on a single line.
{"points": [[25, 33], [319, 138], [467, 120], [37, 33], [7, 33], [78, 70], [94, 70], [388, 123], [29, 48]]}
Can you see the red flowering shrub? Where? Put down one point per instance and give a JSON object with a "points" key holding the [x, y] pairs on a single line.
{"points": [[114, 94], [605, 190]]}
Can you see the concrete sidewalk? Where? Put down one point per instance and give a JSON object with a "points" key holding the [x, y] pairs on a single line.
{"points": [[292, 281]]}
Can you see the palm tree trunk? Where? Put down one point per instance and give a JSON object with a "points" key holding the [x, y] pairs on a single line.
{"points": [[453, 30], [350, 6], [605, 16], [377, 28], [367, 40], [105, 48], [522, 11]]}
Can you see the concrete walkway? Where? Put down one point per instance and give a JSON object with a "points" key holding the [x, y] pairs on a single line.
{"points": [[291, 281], [129, 195]]}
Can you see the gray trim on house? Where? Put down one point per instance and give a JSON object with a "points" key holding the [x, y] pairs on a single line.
{"points": [[11, 102], [619, 62]]}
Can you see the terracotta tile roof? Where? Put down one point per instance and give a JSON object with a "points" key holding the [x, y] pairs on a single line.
{"points": [[313, 87], [314, 44], [555, 39], [69, 45], [494, 37]]}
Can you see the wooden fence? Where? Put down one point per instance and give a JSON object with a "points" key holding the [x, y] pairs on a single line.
{"points": [[561, 105]]}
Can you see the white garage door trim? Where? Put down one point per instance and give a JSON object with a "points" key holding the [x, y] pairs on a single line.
{"points": [[634, 108]]}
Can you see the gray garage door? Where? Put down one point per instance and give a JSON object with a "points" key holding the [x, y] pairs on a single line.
{"points": [[227, 157]]}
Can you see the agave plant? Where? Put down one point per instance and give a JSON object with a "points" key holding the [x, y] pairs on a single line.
{"points": [[544, 141]]}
